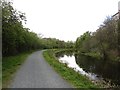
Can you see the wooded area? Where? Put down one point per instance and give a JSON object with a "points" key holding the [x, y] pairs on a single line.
{"points": [[103, 43], [16, 38]]}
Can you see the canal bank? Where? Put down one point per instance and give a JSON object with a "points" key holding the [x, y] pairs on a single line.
{"points": [[76, 79]]}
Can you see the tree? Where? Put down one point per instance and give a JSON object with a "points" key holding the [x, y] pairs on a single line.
{"points": [[16, 38], [82, 42], [104, 41]]}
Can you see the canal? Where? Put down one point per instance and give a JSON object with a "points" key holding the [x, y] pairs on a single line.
{"points": [[95, 70]]}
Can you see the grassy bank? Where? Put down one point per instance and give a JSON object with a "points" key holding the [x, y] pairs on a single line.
{"points": [[77, 80], [10, 65]]}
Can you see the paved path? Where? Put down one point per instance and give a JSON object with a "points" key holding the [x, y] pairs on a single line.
{"points": [[37, 73]]}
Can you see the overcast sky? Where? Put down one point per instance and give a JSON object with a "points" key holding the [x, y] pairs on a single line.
{"points": [[65, 19]]}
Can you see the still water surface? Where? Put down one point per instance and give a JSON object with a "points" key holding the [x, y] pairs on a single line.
{"points": [[96, 70]]}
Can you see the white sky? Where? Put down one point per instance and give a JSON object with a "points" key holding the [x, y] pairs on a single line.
{"points": [[65, 19]]}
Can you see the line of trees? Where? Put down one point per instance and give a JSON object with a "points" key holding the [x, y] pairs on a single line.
{"points": [[102, 43], [16, 38], [56, 43]]}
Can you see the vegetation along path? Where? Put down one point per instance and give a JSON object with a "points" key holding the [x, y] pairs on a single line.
{"points": [[37, 73]]}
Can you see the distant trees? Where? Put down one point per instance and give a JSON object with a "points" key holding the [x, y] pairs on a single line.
{"points": [[103, 41], [70, 44], [56, 43]]}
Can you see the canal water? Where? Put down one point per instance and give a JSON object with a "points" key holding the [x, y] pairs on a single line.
{"points": [[96, 70]]}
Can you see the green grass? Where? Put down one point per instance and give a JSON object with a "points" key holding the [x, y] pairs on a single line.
{"points": [[10, 65], [77, 80]]}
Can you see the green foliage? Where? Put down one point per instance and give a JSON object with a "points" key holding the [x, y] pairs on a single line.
{"points": [[16, 38], [82, 42], [77, 80], [104, 41]]}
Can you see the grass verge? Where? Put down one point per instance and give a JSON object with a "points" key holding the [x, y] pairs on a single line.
{"points": [[10, 65], [77, 80]]}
